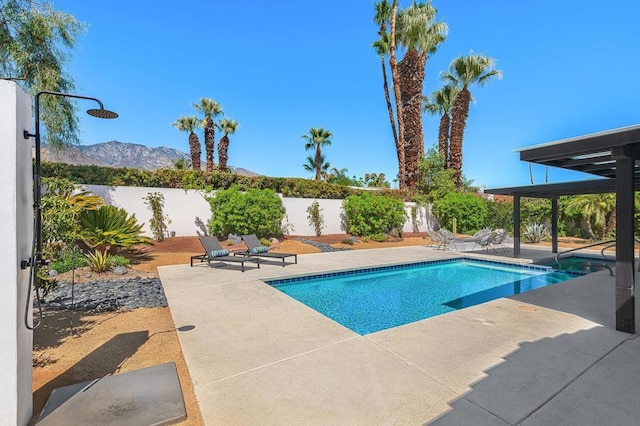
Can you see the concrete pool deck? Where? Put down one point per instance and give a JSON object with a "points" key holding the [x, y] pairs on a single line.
{"points": [[256, 356]]}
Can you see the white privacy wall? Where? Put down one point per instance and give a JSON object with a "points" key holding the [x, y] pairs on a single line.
{"points": [[187, 208], [16, 228]]}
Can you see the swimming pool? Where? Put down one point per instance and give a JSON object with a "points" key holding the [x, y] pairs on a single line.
{"points": [[373, 299], [580, 264]]}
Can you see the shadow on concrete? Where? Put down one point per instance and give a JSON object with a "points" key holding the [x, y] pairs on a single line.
{"points": [[102, 361], [550, 381]]}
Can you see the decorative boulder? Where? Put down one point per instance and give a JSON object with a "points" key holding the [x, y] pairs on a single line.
{"points": [[235, 239], [119, 270]]}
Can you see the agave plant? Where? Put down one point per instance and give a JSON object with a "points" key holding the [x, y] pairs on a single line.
{"points": [[98, 260], [536, 232], [109, 227]]}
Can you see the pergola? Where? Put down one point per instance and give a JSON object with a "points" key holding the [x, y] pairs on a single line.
{"points": [[612, 156]]}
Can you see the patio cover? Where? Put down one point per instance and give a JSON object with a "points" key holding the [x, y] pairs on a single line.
{"points": [[611, 155]]}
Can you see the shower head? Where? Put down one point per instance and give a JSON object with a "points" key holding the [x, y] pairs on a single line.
{"points": [[102, 113]]}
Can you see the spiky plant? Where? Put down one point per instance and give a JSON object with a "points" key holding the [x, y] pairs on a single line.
{"points": [[463, 72], [109, 227], [210, 109], [228, 127], [188, 124]]}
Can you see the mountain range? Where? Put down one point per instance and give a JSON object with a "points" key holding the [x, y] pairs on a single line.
{"points": [[121, 154]]}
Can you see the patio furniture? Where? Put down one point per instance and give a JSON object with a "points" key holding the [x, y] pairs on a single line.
{"points": [[499, 239], [485, 240], [256, 249], [215, 254], [436, 239]]}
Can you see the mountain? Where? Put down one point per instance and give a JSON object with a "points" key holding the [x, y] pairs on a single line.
{"points": [[121, 154]]}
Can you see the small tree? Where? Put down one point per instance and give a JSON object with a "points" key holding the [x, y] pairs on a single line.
{"points": [[316, 219], [159, 221]]}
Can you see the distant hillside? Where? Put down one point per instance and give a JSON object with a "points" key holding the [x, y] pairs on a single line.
{"points": [[122, 154]]}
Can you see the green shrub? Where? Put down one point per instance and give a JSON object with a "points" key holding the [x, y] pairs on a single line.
{"points": [[378, 237], [368, 214], [118, 260], [257, 211], [469, 210], [500, 215], [67, 261], [109, 227], [315, 217], [98, 260], [265, 242], [159, 221]]}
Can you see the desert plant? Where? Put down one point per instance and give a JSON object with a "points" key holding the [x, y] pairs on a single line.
{"points": [[98, 260], [536, 232], [159, 221], [67, 261], [118, 260], [265, 242], [109, 227], [368, 214], [316, 219], [257, 211]]}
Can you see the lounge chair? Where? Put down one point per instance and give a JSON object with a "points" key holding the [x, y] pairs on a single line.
{"points": [[255, 249], [436, 239], [485, 240], [450, 239], [499, 239], [214, 253]]}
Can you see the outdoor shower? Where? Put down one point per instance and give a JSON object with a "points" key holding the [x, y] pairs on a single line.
{"points": [[36, 259]]}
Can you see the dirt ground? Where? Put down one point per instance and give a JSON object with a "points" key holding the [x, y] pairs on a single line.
{"points": [[75, 347]]}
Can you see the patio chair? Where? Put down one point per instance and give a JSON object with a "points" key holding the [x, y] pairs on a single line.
{"points": [[215, 254], [499, 239], [256, 249], [485, 240], [436, 239], [450, 239]]}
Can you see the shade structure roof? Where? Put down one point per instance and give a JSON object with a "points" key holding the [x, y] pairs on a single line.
{"points": [[595, 153]]}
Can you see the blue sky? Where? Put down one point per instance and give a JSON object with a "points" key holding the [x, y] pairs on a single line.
{"points": [[281, 67]]}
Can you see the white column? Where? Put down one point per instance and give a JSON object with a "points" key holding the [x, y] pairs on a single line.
{"points": [[16, 229]]}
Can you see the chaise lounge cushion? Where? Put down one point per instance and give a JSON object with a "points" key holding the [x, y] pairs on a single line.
{"points": [[219, 253], [258, 250]]}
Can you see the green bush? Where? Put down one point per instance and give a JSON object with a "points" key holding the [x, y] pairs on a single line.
{"points": [[118, 260], [469, 210], [257, 211], [68, 260], [500, 215], [98, 260], [367, 214], [109, 227], [315, 217]]}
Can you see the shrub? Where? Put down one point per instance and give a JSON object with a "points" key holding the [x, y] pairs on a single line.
{"points": [[109, 227], [98, 260], [265, 242], [159, 221], [368, 214], [316, 219], [67, 261], [257, 211], [117, 260], [500, 215], [378, 237], [536, 232], [469, 210]]}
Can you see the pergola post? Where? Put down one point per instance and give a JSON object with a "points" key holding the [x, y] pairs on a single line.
{"points": [[554, 225], [625, 271], [516, 226]]}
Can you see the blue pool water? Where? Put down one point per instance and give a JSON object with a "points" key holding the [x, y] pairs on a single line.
{"points": [[375, 299], [580, 264]]}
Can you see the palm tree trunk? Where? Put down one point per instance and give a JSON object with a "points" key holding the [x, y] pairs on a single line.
{"points": [[392, 120], [611, 224], [393, 63], [318, 163], [195, 151], [531, 173], [223, 147], [460, 115], [411, 78], [587, 224], [209, 143], [443, 138]]}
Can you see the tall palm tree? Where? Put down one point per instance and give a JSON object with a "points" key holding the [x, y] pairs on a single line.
{"points": [[463, 72], [316, 139], [210, 109], [311, 166], [395, 78], [188, 124], [228, 127], [421, 35], [381, 16], [441, 103]]}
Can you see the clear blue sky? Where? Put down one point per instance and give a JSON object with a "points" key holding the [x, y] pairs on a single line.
{"points": [[283, 66]]}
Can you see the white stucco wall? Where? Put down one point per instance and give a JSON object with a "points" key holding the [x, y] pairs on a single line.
{"points": [[187, 208], [16, 228]]}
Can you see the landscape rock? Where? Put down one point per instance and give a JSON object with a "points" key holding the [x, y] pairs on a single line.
{"points": [[119, 270]]}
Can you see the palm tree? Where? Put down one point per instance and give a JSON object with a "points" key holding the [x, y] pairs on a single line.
{"points": [[228, 127], [393, 64], [188, 124], [463, 72], [311, 166], [594, 209], [421, 35], [210, 109], [381, 16], [441, 102], [317, 138]]}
